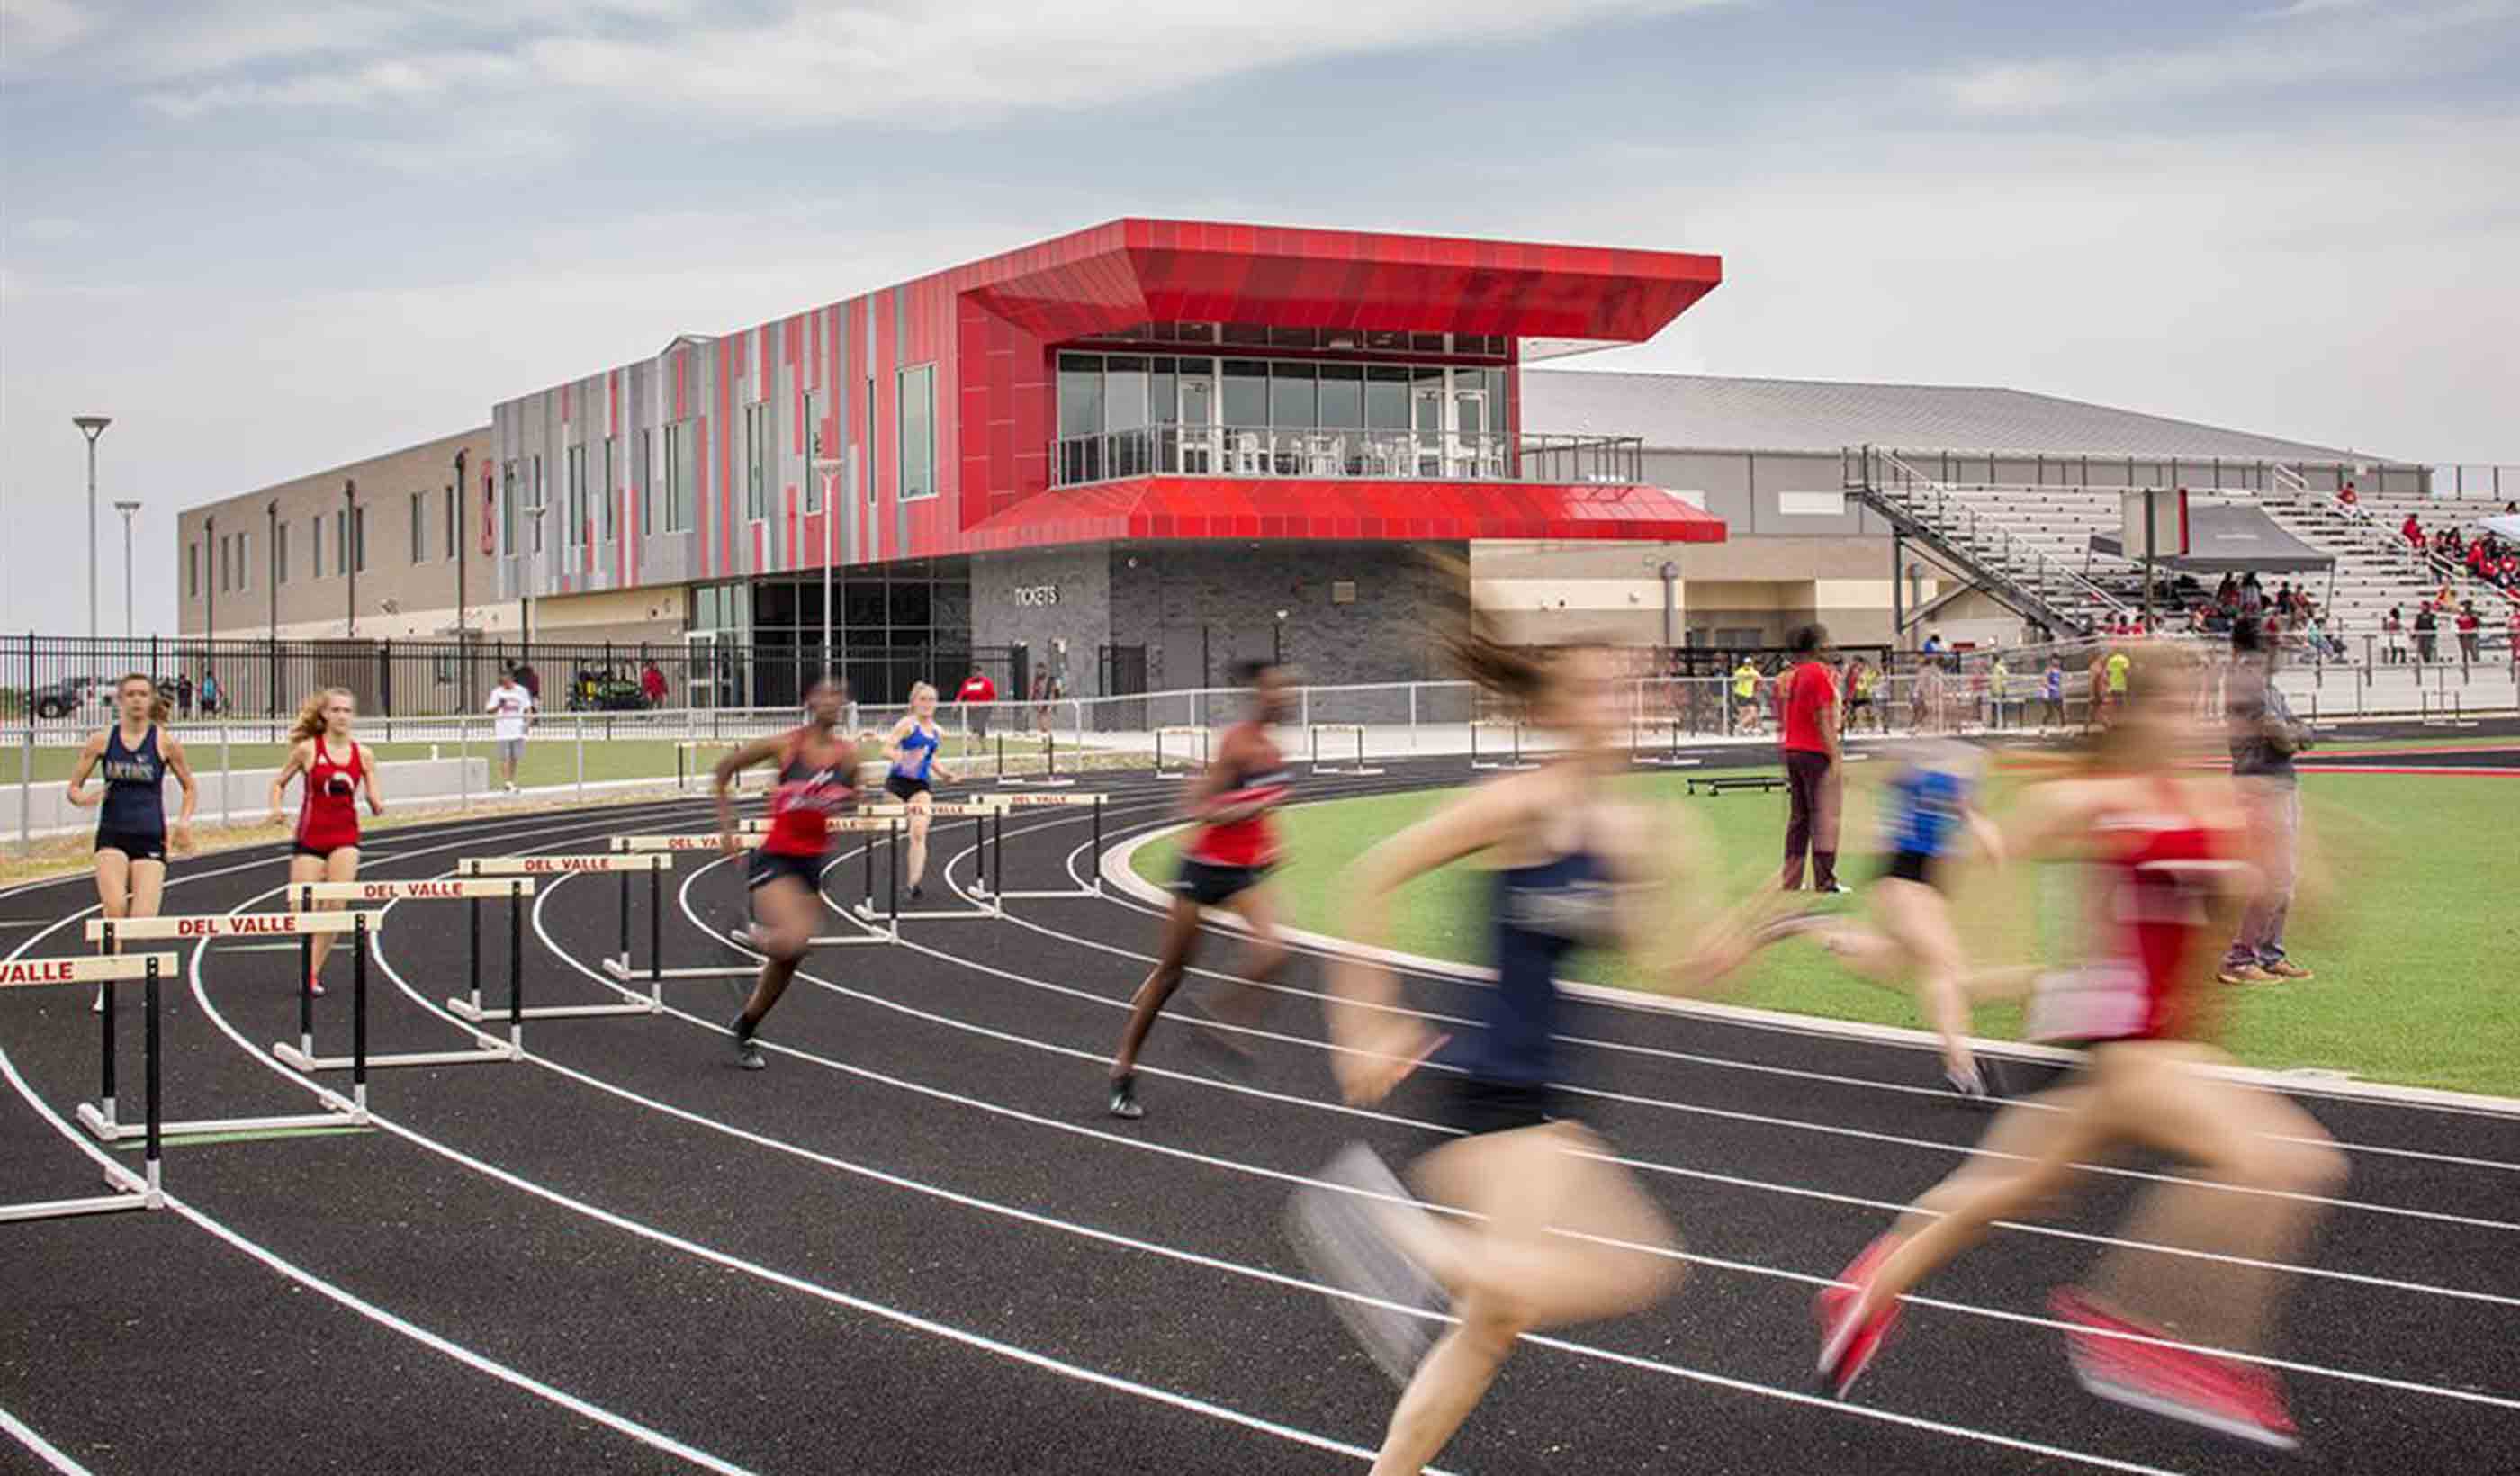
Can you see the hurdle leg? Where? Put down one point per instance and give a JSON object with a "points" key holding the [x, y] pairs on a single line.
{"points": [[105, 1079], [516, 969], [359, 1015], [472, 908], [152, 1053], [656, 939], [625, 878], [305, 989], [1098, 843]]}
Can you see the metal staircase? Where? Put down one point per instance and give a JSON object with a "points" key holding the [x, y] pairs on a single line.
{"points": [[1972, 546]]}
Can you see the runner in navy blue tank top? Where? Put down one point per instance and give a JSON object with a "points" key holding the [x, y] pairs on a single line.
{"points": [[1556, 1234], [135, 756]]}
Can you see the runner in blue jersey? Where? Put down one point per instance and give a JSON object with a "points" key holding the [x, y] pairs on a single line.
{"points": [[1556, 1234], [134, 755], [913, 747], [1928, 814]]}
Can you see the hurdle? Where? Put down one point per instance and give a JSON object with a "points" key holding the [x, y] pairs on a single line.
{"points": [[1356, 768], [134, 1191], [485, 1047], [1049, 776], [864, 913], [657, 973], [980, 813], [1094, 873], [1190, 737], [1669, 757], [653, 863], [688, 767], [2434, 709], [1515, 760]]}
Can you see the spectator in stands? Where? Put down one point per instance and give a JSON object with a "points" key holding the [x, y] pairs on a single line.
{"points": [[2445, 598], [2265, 737], [652, 682], [2351, 502], [2052, 692], [1933, 643], [2253, 597], [2393, 639], [1812, 765], [2095, 702], [2468, 625], [2507, 572], [2425, 626], [2226, 595], [2412, 532]]}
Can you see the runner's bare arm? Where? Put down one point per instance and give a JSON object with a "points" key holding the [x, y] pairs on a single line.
{"points": [[368, 774], [180, 765], [299, 753], [892, 739], [89, 752], [760, 751]]}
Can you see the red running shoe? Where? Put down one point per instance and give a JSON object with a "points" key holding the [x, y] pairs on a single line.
{"points": [[1846, 1346], [2238, 1399]]}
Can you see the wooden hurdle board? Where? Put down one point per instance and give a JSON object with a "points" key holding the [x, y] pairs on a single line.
{"points": [[133, 1191], [562, 865], [102, 968], [446, 889], [232, 926]]}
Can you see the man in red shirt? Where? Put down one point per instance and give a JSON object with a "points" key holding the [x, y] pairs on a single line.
{"points": [[1812, 769], [2468, 626], [976, 694]]}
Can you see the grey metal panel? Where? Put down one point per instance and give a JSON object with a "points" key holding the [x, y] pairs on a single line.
{"points": [[1676, 411]]}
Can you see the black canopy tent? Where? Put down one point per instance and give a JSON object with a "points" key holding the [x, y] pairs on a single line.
{"points": [[2229, 537], [2234, 537]]}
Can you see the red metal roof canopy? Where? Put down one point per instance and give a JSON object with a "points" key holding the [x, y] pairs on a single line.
{"points": [[1342, 509], [1161, 271]]}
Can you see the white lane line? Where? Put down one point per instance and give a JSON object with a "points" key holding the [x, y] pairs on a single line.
{"points": [[2322, 1273], [784, 1146], [772, 1275], [308, 1279], [45, 1451]]}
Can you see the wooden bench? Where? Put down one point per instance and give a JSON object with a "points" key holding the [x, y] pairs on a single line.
{"points": [[1718, 783]]}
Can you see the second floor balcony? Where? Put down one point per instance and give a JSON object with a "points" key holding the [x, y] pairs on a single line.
{"points": [[1256, 451]]}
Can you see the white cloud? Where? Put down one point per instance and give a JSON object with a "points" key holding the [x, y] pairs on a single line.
{"points": [[32, 29], [2338, 42], [942, 66], [47, 228]]}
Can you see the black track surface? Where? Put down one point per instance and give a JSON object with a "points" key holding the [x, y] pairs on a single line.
{"points": [[770, 1268]]}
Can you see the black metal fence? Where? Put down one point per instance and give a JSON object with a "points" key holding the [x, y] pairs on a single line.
{"points": [[71, 678]]}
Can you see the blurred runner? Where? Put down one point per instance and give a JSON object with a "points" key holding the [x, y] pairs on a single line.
{"points": [[816, 778]]}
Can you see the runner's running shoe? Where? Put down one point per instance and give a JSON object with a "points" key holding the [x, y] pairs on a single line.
{"points": [[2230, 1396], [1124, 1097], [1394, 1308], [1846, 1346]]}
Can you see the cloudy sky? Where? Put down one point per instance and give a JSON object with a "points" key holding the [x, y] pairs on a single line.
{"points": [[272, 238]]}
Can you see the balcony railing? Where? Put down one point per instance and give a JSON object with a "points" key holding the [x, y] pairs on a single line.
{"points": [[1431, 456]]}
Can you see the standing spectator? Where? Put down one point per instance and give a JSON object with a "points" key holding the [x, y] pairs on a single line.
{"points": [[183, 694], [652, 682], [531, 679], [2467, 630], [1811, 762], [211, 695], [2052, 690], [2226, 595], [1745, 695], [2264, 736], [2425, 626], [1999, 686], [2115, 671], [1933, 643], [511, 709], [2393, 638], [2413, 531], [2252, 596], [977, 694], [1861, 680]]}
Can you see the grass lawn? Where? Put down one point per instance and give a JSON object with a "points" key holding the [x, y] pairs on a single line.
{"points": [[2413, 934]]}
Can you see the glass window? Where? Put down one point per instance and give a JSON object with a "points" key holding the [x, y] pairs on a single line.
{"points": [[1246, 393], [1294, 401], [607, 495], [419, 527], [1080, 394], [756, 450], [191, 571], [682, 476], [1294, 338], [540, 505], [245, 561], [1342, 396], [917, 460], [508, 505], [1386, 397], [574, 473], [1427, 343], [646, 472], [315, 541], [280, 552], [1383, 339], [862, 605], [1497, 401], [814, 452], [341, 541], [1246, 333], [909, 602], [1197, 332], [1124, 392], [1163, 397], [359, 539]]}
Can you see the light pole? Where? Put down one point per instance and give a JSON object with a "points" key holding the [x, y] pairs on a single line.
{"points": [[91, 427], [828, 469], [351, 545], [463, 531], [127, 509]]}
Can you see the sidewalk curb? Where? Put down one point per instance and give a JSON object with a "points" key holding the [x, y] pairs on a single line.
{"points": [[1121, 873]]}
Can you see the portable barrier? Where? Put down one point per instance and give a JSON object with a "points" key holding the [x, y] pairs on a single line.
{"points": [[1049, 778], [1357, 766], [1511, 758], [1093, 886], [2436, 709], [462, 889], [864, 913], [133, 1191], [746, 839], [981, 814], [1668, 757], [1187, 739], [654, 863]]}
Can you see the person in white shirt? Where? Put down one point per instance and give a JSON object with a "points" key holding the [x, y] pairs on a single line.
{"points": [[511, 709]]}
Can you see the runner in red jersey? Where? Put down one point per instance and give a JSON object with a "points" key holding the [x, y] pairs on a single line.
{"points": [[2168, 857], [816, 779], [335, 769], [1224, 865]]}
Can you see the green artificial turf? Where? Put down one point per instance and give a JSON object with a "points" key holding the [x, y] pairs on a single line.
{"points": [[2412, 921]]}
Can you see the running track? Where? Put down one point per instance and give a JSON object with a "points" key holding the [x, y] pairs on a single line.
{"points": [[917, 1243]]}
